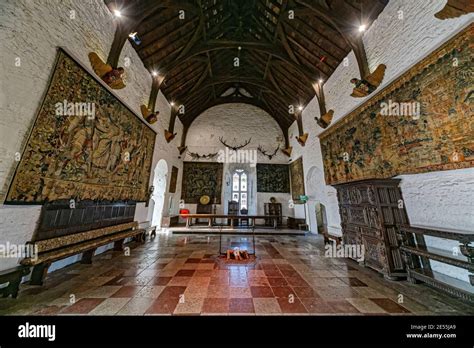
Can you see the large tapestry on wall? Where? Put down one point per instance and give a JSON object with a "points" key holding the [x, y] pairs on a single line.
{"points": [[297, 179], [422, 122], [85, 144], [202, 178], [273, 178]]}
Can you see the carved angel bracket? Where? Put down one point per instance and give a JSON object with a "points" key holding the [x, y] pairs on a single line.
{"points": [[111, 76]]}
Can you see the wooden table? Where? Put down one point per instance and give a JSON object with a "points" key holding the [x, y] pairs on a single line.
{"points": [[211, 217], [232, 218]]}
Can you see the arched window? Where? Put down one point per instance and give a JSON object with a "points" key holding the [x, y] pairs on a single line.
{"points": [[240, 188]]}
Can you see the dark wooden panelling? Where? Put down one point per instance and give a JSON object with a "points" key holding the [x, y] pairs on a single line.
{"points": [[59, 219]]}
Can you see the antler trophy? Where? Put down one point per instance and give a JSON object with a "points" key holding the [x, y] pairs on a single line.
{"points": [[270, 156], [236, 147]]}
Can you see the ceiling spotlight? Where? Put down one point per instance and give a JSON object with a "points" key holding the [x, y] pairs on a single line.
{"points": [[117, 13], [362, 28], [154, 73], [300, 108], [239, 48], [134, 37], [172, 103], [320, 81]]}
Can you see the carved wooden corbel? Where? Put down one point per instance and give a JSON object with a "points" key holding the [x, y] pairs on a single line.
{"points": [[287, 149], [111, 76], [326, 116], [182, 148], [234, 147], [148, 112], [455, 8], [343, 18], [368, 81], [169, 133], [302, 137], [109, 70]]}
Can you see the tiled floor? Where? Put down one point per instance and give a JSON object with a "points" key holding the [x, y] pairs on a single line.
{"points": [[179, 275]]}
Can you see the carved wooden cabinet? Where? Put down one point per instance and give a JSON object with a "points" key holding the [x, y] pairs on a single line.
{"points": [[371, 213]]}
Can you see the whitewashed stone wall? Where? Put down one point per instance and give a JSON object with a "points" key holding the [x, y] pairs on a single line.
{"points": [[237, 123], [32, 31]]}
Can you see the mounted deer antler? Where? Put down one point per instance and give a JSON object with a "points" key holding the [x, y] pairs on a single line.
{"points": [[195, 155], [235, 148], [263, 152]]}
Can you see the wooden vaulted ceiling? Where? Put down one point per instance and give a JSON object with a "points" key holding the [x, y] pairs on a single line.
{"points": [[280, 58]]}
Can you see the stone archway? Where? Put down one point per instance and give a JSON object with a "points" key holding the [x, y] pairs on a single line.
{"points": [[160, 181], [315, 193], [313, 183]]}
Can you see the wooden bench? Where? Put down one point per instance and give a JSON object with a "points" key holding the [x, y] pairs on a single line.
{"points": [[418, 256], [170, 221], [149, 229], [54, 249], [13, 278]]}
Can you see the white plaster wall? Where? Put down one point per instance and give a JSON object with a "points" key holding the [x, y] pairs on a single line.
{"points": [[167, 151], [236, 123], [31, 31], [445, 201], [17, 224], [440, 199], [398, 43]]}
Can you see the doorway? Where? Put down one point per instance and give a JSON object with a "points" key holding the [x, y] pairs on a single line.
{"points": [[158, 197]]}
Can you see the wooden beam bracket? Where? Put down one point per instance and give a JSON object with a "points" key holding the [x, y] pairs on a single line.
{"points": [[325, 117], [148, 112], [169, 133]]}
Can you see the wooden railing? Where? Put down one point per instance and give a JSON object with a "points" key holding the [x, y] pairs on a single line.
{"points": [[417, 256]]}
